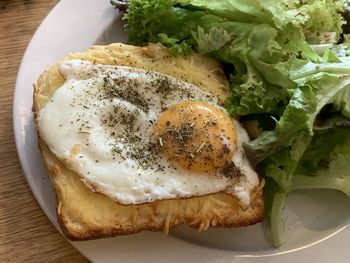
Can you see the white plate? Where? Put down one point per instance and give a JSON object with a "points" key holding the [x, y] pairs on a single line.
{"points": [[318, 221]]}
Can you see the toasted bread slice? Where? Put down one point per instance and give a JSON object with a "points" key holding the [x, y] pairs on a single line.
{"points": [[84, 214]]}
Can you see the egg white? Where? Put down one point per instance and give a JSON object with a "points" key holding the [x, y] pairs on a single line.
{"points": [[83, 129]]}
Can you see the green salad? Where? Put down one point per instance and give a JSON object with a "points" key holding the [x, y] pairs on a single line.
{"points": [[289, 78]]}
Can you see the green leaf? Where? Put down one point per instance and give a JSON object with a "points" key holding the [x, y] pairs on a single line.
{"points": [[318, 153], [281, 167], [332, 149], [275, 198], [294, 120], [342, 101], [175, 46]]}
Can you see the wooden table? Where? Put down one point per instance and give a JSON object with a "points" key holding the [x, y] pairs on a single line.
{"points": [[26, 234]]}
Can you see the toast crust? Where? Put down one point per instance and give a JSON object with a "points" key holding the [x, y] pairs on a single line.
{"points": [[84, 214]]}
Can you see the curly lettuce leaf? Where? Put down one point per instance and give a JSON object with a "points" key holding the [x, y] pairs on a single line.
{"points": [[325, 164], [313, 15], [281, 165], [302, 105], [261, 78], [175, 46], [260, 38], [252, 11], [323, 17], [321, 161], [319, 84]]}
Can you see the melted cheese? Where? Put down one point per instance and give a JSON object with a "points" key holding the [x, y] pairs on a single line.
{"points": [[100, 124]]}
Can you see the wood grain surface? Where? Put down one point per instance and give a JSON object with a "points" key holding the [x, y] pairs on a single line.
{"points": [[26, 234]]}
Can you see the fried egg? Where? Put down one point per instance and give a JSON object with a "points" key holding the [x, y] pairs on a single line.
{"points": [[139, 136]]}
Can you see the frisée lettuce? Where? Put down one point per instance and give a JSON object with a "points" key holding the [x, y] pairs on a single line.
{"points": [[283, 64]]}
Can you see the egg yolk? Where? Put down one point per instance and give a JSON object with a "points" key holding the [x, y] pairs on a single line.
{"points": [[196, 136]]}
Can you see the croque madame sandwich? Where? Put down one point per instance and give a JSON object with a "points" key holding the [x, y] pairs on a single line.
{"points": [[135, 139]]}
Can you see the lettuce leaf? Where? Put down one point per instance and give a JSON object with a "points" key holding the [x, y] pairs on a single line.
{"points": [[245, 34], [321, 161], [280, 171], [301, 106], [325, 164], [319, 85], [282, 165], [342, 102]]}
